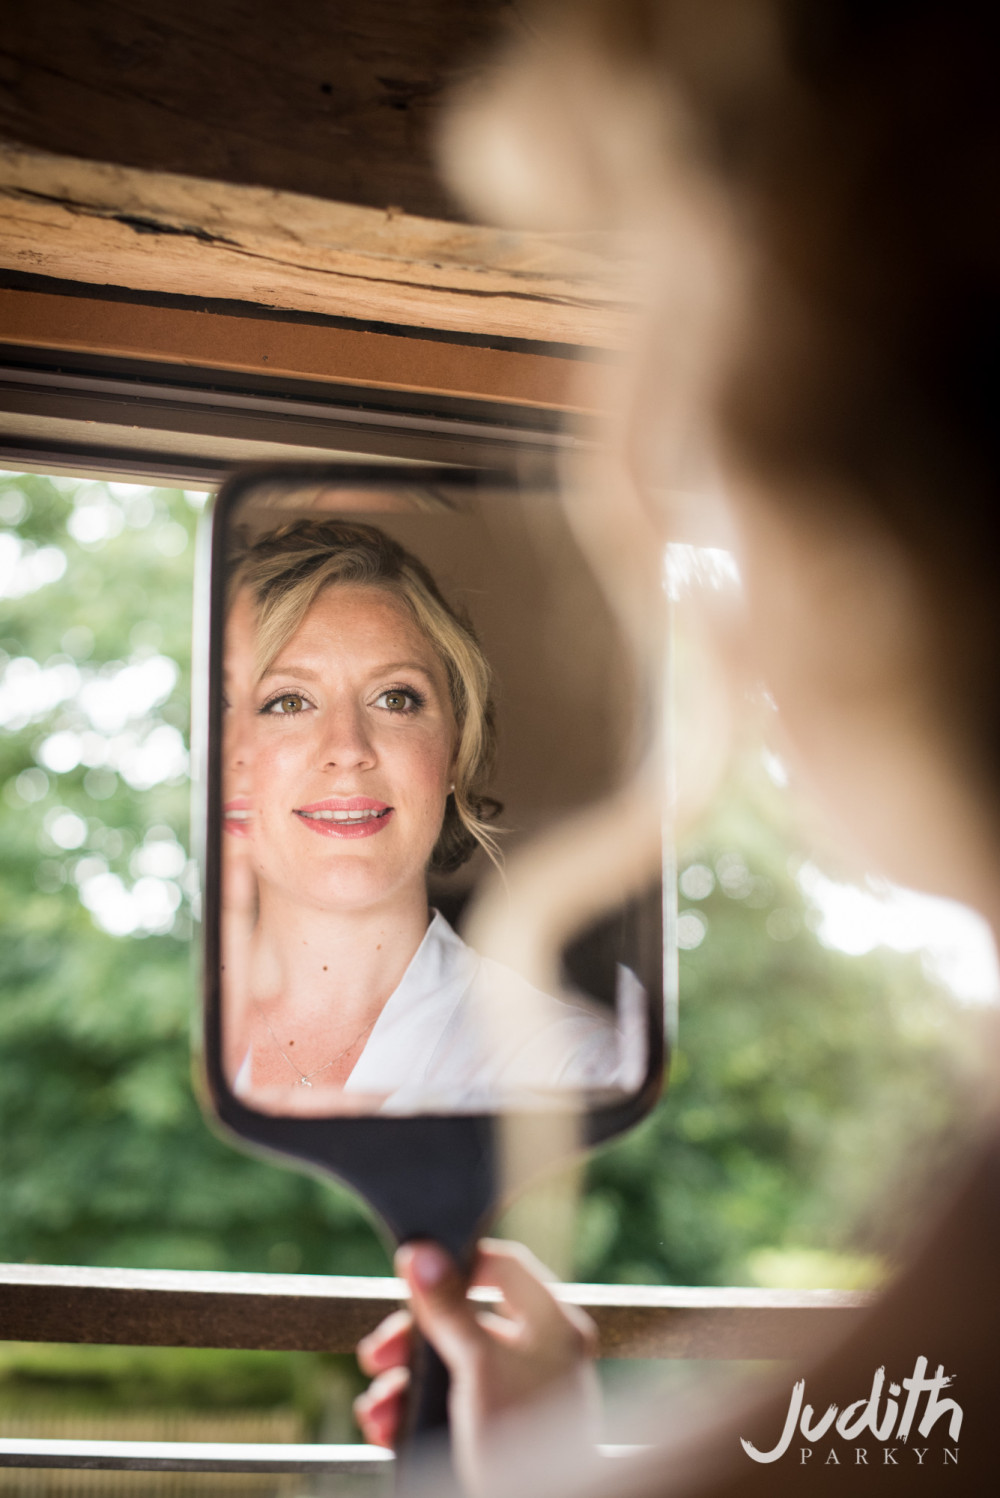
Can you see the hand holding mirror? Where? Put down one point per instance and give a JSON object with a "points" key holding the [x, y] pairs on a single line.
{"points": [[414, 678]]}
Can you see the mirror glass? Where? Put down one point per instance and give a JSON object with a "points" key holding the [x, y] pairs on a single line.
{"points": [[416, 677]]}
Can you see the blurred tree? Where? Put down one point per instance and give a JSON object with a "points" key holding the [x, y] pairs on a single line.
{"points": [[104, 1155], [816, 1097]]}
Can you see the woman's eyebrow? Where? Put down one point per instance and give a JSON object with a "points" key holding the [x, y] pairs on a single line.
{"points": [[309, 673], [290, 670], [393, 666]]}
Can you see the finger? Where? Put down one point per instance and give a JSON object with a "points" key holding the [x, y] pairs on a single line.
{"points": [[520, 1277], [438, 1300], [388, 1346], [379, 1410], [503, 1329], [239, 882], [239, 897]]}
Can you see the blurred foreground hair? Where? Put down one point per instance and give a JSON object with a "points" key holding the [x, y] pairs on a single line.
{"points": [[849, 147]]}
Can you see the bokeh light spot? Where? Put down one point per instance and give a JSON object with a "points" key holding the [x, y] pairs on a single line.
{"points": [[692, 928], [696, 881]]}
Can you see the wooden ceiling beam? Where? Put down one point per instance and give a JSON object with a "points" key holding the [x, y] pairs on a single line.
{"points": [[108, 225]]}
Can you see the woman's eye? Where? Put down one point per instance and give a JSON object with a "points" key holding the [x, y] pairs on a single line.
{"points": [[397, 701], [288, 702]]}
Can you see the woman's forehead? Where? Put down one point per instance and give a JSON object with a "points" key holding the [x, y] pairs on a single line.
{"points": [[359, 626], [359, 614], [365, 624]]}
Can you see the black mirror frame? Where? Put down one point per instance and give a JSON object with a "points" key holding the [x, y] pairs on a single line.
{"points": [[426, 1175]]}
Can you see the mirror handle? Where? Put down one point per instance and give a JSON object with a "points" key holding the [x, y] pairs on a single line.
{"points": [[425, 1429]]}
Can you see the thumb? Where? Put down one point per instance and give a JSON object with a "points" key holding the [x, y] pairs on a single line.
{"points": [[438, 1301]]}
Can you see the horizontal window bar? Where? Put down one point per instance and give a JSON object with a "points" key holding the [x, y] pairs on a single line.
{"points": [[212, 1456], [194, 1456], [160, 1308]]}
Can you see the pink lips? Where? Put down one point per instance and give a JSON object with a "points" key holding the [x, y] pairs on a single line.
{"points": [[320, 816], [236, 815]]}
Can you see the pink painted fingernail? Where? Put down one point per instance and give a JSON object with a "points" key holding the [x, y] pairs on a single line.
{"points": [[429, 1265]]}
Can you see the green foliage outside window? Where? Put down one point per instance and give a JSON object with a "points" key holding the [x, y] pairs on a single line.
{"points": [[813, 1094], [106, 1157], [817, 1098]]}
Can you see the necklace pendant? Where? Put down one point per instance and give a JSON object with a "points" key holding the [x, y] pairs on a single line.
{"points": [[306, 1082]]}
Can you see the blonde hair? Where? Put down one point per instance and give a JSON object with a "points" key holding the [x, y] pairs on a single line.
{"points": [[286, 570]]}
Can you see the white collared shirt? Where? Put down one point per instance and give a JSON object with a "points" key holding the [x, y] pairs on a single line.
{"points": [[462, 1033], [442, 1039]]}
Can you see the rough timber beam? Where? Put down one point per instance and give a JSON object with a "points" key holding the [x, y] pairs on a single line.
{"points": [[109, 225]]}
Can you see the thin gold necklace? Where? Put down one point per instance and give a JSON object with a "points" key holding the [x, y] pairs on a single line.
{"points": [[305, 1077]]}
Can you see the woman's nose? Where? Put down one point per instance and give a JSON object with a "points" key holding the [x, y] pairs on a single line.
{"points": [[347, 742]]}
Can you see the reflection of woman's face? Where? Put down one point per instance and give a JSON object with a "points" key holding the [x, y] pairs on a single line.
{"points": [[339, 757]]}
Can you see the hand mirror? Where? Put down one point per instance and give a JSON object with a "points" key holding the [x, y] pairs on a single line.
{"points": [[418, 698]]}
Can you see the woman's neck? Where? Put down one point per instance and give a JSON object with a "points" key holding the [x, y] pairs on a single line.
{"points": [[306, 961]]}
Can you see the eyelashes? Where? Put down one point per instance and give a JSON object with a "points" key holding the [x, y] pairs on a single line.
{"points": [[399, 701], [409, 696], [281, 705]]}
